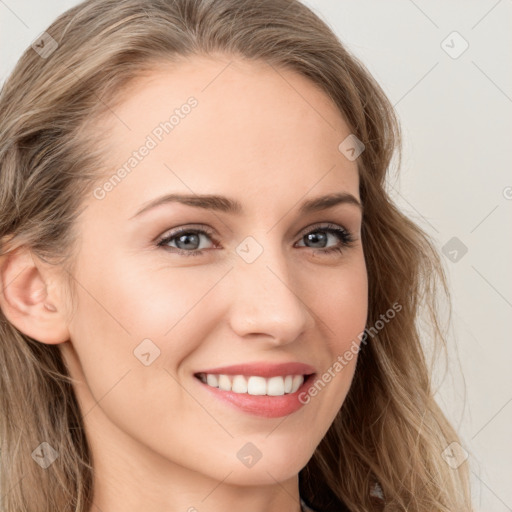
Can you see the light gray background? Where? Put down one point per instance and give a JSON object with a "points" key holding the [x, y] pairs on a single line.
{"points": [[457, 126]]}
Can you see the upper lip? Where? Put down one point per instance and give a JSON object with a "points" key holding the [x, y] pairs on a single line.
{"points": [[263, 369]]}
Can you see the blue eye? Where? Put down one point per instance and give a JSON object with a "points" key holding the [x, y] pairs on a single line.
{"points": [[346, 238], [187, 237], [188, 240]]}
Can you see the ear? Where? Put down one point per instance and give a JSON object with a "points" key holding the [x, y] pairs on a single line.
{"points": [[30, 297]]}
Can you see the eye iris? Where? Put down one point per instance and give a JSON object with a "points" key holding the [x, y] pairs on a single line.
{"points": [[316, 237], [184, 237]]}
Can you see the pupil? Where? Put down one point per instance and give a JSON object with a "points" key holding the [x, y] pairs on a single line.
{"points": [[315, 238], [183, 238]]}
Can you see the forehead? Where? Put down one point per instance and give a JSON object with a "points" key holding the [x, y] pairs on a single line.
{"points": [[224, 125]]}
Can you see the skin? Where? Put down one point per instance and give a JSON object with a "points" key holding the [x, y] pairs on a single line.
{"points": [[268, 138]]}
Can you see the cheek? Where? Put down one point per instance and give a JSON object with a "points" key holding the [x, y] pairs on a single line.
{"points": [[348, 311], [341, 303], [134, 302], [342, 309], [123, 352], [133, 329], [159, 297]]}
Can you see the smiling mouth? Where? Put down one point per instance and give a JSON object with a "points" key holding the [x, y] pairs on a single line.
{"points": [[254, 384]]}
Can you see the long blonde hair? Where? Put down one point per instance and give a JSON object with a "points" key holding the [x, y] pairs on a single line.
{"points": [[390, 429]]}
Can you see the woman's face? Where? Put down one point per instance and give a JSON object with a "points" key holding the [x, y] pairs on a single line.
{"points": [[249, 287]]}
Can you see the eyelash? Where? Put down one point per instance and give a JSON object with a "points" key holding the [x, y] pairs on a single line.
{"points": [[343, 234]]}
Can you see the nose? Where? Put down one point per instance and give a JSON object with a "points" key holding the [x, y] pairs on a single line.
{"points": [[266, 300]]}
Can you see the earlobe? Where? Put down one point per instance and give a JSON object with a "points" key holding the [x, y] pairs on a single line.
{"points": [[29, 298]]}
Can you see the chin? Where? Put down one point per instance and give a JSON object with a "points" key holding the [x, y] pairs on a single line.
{"points": [[268, 470]]}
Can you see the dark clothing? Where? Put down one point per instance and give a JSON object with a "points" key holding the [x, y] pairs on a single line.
{"points": [[307, 508]]}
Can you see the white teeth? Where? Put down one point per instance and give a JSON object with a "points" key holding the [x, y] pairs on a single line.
{"points": [[212, 380], [239, 384], [297, 382], [275, 386], [257, 386], [254, 385], [224, 383], [288, 380]]}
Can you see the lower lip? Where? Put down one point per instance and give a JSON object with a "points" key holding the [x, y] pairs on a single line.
{"points": [[263, 405]]}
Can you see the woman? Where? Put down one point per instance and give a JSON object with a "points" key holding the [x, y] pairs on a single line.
{"points": [[286, 372]]}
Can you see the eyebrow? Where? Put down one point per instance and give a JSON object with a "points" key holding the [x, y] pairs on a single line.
{"points": [[227, 205]]}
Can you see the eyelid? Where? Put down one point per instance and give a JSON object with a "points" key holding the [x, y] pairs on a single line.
{"points": [[323, 225], [184, 229]]}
